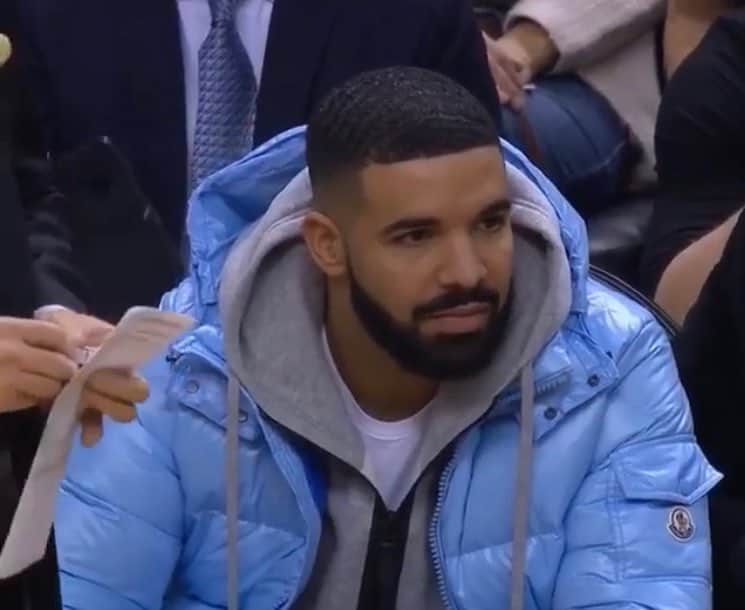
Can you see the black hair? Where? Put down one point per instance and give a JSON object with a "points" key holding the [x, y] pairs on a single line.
{"points": [[393, 115]]}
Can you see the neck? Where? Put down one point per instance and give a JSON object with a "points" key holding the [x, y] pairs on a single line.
{"points": [[379, 385]]}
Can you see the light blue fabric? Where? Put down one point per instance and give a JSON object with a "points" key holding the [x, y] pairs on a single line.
{"points": [[141, 519]]}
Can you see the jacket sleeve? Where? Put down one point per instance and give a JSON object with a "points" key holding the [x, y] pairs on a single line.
{"points": [[456, 48], [119, 514], [585, 31], [637, 530], [58, 279]]}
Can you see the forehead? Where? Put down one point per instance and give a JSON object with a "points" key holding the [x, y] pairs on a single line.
{"points": [[445, 186]]}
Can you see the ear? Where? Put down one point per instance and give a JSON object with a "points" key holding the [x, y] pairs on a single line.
{"points": [[325, 244]]}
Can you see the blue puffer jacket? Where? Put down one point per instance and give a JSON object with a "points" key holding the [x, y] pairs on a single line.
{"points": [[618, 511]]}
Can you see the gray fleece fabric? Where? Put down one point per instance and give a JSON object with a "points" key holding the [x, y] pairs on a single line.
{"points": [[271, 302]]}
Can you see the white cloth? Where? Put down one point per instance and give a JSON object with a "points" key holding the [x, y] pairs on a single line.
{"points": [[391, 448], [252, 19]]}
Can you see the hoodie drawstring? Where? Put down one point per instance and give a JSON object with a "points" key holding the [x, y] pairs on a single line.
{"points": [[523, 487], [232, 488], [522, 495]]}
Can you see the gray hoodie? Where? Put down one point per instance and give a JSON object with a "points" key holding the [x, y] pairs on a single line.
{"points": [[271, 302]]}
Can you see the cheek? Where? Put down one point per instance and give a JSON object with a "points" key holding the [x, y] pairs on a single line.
{"points": [[394, 281], [498, 261]]}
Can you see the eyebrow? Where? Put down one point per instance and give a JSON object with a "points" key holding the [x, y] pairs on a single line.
{"points": [[410, 224], [498, 207]]}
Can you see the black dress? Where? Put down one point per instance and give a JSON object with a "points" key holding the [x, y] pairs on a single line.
{"points": [[699, 146]]}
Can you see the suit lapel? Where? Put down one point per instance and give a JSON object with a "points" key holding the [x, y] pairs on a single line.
{"points": [[298, 36]]}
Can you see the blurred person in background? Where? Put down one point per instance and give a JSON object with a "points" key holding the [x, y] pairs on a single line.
{"points": [[580, 85], [184, 87], [701, 167], [694, 264], [710, 351], [686, 23], [38, 356]]}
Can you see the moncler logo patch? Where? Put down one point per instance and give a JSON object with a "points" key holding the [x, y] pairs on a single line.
{"points": [[680, 524]]}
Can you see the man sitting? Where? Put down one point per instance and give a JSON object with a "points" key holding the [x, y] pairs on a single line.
{"points": [[405, 393]]}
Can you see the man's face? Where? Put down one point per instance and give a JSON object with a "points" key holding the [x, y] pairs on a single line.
{"points": [[429, 260]]}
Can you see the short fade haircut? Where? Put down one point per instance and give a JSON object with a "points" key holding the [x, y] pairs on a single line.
{"points": [[394, 115]]}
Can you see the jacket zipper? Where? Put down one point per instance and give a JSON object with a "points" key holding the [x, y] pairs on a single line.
{"points": [[435, 540]]}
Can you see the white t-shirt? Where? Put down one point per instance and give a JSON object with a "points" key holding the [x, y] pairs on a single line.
{"points": [[391, 448]]}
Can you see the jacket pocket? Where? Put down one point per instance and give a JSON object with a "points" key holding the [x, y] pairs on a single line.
{"points": [[659, 511], [670, 471]]}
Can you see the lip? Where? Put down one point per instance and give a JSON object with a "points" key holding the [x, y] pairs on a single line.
{"points": [[459, 320], [462, 311]]}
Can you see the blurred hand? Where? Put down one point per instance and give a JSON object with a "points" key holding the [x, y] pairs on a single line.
{"points": [[516, 57], [82, 330], [508, 63], [5, 49], [107, 392], [36, 360], [112, 393]]}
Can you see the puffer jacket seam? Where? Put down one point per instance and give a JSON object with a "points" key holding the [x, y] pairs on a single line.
{"points": [[614, 517]]}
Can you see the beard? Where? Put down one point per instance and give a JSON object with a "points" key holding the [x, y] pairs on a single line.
{"points": [[441, 357]]}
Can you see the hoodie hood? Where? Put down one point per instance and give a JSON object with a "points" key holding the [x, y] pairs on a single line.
{"points": [[272, 308], [245, 227], [227, 204]]}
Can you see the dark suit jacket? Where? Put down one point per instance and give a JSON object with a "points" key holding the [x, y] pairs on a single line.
{"points": [[35, 254], [115, 69]]}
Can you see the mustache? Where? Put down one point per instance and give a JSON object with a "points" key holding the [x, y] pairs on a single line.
{"points": [[449, 300]]}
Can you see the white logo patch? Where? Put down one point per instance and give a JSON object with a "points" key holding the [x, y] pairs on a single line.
{"points": [[680, 524]]}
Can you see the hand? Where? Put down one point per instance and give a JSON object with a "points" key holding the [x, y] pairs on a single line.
{"points": [[107, 392], [112, 393], [509, 69], [5, 49], [517, 57], [36, 360], [83, 331]]}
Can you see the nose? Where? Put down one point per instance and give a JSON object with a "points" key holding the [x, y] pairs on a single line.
{"points": [[461, 265]]}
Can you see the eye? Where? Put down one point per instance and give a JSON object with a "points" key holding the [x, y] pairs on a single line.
{"points": [[413, 237], [492, 223]]}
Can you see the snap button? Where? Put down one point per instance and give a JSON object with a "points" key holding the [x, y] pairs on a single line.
{"points": [[192, 387], [593, 380], [550, 413]]}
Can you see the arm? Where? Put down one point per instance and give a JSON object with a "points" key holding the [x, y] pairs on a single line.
{"points": [[625, 548], [120, 514], [584, 31], [50, 239]]}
